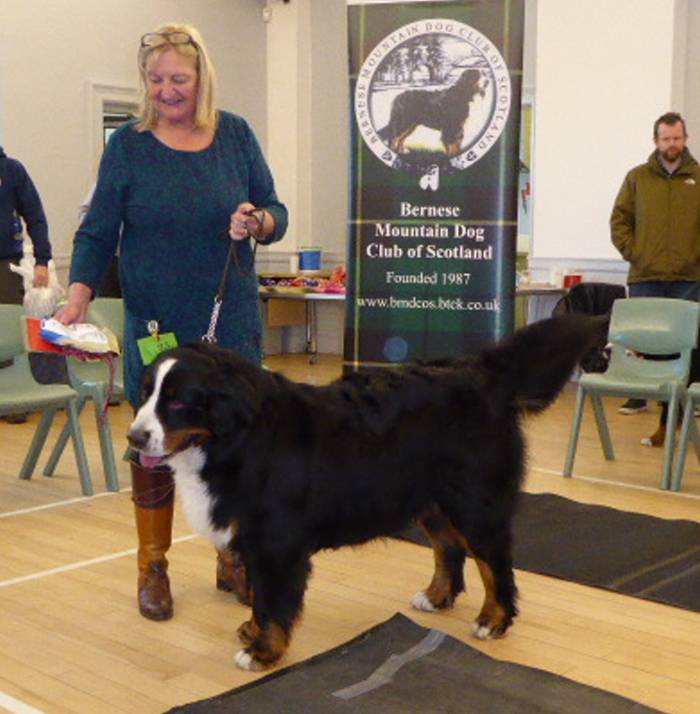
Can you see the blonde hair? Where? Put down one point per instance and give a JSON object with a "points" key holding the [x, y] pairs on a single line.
{"points": [[206, 114]]}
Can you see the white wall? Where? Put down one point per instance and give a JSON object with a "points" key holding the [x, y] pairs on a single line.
{"points": [[50, 50], [604, 74], [692, 77], [284, 102], [330, 117], [308, 123]]}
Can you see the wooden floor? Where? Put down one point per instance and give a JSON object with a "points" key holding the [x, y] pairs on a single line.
{"points": [[71, 639]]}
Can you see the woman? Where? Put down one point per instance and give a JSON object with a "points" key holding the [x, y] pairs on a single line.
{"points": [[175, 185]]}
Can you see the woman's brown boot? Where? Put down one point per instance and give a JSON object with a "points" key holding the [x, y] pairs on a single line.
{"points": [[153, 492], [231, 575]]}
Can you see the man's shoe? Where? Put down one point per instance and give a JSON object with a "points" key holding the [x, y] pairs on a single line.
{"points": [[633, 406], [15, 418]]}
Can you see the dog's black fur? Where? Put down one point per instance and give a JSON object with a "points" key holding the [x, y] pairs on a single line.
{"points": [[445, 110], [299, 468]]}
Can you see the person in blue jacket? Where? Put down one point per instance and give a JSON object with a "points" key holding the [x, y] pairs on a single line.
{"points": [[19, 199], [175, 186]]}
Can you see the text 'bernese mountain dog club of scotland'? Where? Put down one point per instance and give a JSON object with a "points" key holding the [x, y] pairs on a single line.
{"points": [[282, 470]]}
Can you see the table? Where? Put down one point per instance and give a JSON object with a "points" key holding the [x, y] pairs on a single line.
{"points": [[311, 299], [535, 290]]}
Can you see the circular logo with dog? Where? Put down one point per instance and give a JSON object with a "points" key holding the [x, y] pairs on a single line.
{"points": [[432, 97]]}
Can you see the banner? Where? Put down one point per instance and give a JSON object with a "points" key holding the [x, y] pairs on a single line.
{"points": [[435, 118]]}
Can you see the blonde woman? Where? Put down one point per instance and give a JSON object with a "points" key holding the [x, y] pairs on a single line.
{"points": [[175, 184]]}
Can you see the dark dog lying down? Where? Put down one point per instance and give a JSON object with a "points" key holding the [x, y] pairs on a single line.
{"points": [[283, 469]]}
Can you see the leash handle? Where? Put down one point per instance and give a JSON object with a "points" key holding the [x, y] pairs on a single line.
{"points": [[210, 335]]}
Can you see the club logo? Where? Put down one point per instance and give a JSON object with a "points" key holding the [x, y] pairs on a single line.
{"points": [[432, 98]]}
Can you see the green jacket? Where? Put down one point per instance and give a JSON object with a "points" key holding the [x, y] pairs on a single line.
{"points": [[655, 223]]}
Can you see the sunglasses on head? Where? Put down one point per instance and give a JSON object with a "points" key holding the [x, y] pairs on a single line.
{"points": [[155, 39]]}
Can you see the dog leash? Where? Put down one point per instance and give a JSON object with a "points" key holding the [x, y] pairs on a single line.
{"points": [[210, 335]]}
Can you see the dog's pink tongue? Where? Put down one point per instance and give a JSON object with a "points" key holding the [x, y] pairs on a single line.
{"points": [[149, 462]]}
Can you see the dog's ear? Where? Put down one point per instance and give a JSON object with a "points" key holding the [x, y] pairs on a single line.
{"points": [[234, 405], [473, 75]]}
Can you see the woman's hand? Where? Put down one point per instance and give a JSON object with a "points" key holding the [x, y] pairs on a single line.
{"points": [[41, 277], [249, 221], [75, 310]]}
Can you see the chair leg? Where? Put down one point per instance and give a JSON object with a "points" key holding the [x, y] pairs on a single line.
{"points": [[687, 429], [105, 434], [575, 430], [61, 443], [695, 436], [669, 445], [670, 440], [79, 448], [602, 424], [38, 441]]}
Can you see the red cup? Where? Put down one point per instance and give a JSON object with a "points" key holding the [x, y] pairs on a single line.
{"points": [[571, 279]]}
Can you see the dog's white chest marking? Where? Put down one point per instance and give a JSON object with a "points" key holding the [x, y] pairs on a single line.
{"points": [[195, 497]]}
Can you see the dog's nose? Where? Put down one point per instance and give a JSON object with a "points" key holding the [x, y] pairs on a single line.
{"points": [[138, 438]]}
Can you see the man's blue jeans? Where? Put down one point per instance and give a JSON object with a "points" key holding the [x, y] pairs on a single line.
{"points": [[681, 289]]}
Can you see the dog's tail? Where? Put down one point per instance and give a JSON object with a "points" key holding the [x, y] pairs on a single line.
{"points": [[534, 365]]}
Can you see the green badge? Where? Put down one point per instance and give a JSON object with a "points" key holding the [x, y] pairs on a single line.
{"points": [[151, 347]]}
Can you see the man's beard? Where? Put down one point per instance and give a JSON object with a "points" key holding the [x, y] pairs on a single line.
{"points": [[671, 155]]}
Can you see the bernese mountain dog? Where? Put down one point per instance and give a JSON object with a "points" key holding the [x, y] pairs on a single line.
{"points": [[281, 469], [445, 110]]}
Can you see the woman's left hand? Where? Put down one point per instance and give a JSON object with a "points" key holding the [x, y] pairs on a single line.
{"points": [[41, 277], [243, 224]]}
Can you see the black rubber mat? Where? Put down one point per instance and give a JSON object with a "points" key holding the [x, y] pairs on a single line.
{"points": [[401, 668], [630, 553]]}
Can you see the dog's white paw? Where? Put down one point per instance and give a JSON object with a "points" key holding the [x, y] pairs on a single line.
{"points": [[646, 441], [245, 661], [482, 632], [420, 602]]}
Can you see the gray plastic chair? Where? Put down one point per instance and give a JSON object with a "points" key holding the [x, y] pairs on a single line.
{"points": [[20, 392], [689, 430], [90, 380], [654, 326]]}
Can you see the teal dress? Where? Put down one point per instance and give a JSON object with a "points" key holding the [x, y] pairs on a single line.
{"points": [[169, 212]]}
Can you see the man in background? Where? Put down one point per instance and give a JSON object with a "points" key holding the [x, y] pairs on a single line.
{"points": [[655, 223]]}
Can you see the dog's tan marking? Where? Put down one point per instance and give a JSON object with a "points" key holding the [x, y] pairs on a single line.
{"points": [[492, 621], [397, 144], [264, 645], [248, 632], [492, 615], [180, 439], [439, 592]]}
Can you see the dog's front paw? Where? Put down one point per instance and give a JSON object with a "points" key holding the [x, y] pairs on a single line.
{"points": [[245, 660], [420, 601]]}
